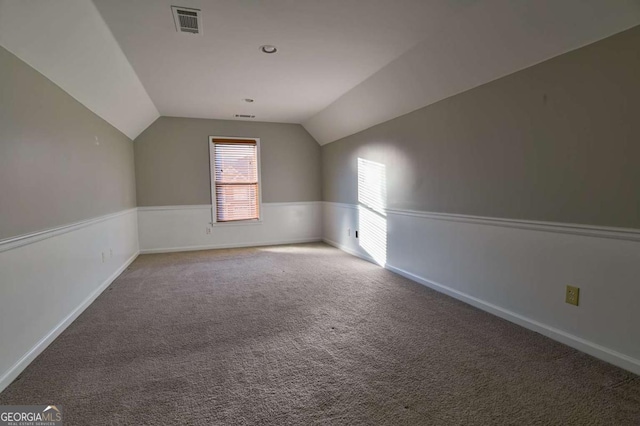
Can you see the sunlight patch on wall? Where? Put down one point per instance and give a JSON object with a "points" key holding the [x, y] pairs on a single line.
{"points": [[372, 202]]}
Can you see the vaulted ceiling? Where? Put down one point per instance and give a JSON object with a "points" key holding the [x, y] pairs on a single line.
{"points": [[341, 66]]}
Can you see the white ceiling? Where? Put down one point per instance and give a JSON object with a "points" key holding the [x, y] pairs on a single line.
{"points": [[486, 41], [342, 65], [69, 43], [326, 47]]}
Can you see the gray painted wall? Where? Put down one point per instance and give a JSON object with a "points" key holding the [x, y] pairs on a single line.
{"points": [[52, 172], [559, 141], [172, 160]]}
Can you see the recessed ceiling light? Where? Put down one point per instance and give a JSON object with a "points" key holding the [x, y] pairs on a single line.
{"points": [[267, 48], [249, 100]]}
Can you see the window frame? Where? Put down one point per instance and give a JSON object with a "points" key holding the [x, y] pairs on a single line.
{"points": [[212, 184]]}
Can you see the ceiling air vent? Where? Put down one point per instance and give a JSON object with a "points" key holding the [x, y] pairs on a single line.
{"points": [[187, 20], [245, 116]]}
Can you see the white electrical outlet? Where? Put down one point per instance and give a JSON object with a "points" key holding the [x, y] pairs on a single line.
{"points": [[103, 257], [110, 253], [208, 230]]}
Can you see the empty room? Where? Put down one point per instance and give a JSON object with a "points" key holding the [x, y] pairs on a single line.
{"points": [[320, 212]]}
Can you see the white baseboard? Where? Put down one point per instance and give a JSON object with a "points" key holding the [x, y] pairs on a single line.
{"points": [[36, 350], [593, 349], [575, 342], [349, 250], [228, 246], [516, 270]]}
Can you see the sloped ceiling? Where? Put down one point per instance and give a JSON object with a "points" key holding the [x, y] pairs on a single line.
{"points": [[69, 43], [487, 40], [325, 48], [342, 66]]}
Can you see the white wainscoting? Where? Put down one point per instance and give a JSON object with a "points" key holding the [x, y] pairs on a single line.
{"points": [[518, 270], [182, 228], [48, 278]]}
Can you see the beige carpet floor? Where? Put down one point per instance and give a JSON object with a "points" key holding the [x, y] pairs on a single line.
{"points": [[308, 335]]}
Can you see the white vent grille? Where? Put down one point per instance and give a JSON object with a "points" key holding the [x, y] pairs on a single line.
{"points": [[187, 20]]}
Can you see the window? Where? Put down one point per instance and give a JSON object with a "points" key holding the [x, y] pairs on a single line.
{"points": [[235, 190]]}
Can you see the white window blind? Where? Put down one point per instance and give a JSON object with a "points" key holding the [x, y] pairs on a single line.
{"points": [[236, 180]]}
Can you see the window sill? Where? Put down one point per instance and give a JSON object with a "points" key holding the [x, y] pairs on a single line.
{"points": [[238, 223]]}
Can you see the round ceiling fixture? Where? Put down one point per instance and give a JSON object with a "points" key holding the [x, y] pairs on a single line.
{"points": [[249, 100], [267, 48]]}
